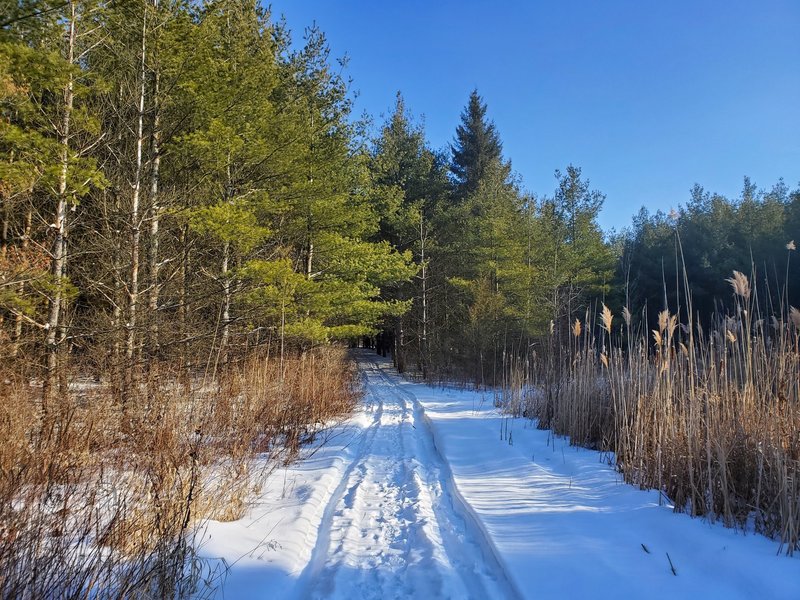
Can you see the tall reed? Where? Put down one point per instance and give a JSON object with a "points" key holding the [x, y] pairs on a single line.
{"points": [[709, 417]]}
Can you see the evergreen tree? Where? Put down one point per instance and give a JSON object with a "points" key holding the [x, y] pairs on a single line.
{"points": [[574, 259], [407, 181], [475, 148], [209, 175], [401, 167], [46, 131]]}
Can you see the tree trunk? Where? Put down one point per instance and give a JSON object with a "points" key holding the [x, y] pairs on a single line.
{"points": [[182, 302], [399, 346], [155, 216], [135, 224], [423, 344], [58, 254], [226, 300], [309, 257], [117, 325], [17, 339]]}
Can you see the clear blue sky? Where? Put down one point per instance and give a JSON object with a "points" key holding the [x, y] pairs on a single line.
{"points": [[646, 97]]}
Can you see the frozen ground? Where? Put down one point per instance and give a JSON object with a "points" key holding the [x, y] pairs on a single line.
{"points": [[417, 496]]}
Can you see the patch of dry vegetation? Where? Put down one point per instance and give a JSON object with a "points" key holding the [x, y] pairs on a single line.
{"points": [[101, 499], [711, 418]]}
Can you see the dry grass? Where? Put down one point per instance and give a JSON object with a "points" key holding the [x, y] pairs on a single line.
{"points": [[101, 500], [711, 418]]}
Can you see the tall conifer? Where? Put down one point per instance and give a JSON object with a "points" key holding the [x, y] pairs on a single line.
{"points": [[476, 146]]}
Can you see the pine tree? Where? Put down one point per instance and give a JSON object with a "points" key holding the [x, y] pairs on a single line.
{"points": [[575, 257], [233, 191], [46, 131]]}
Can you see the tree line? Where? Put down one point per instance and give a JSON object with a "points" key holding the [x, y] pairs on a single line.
{"points": [[180, 181], [505, 273], [710, 237]]}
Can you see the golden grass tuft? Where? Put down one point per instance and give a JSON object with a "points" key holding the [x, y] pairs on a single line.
{"points": [[606, 317], [794, 315], [740, 285], [576, 328]]}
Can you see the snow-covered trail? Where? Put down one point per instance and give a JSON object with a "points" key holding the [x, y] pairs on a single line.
{"points": [[393, 528], [419, 495]]}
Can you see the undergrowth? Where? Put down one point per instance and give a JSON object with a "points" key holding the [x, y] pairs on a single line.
{"points": [[103, 499]]}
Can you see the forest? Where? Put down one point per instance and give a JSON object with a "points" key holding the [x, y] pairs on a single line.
{"points": [[195, 226]]}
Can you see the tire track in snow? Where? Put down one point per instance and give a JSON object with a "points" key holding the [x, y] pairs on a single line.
{"points": [[319, 553], [370, 543], [394, 527], [466, 531]]}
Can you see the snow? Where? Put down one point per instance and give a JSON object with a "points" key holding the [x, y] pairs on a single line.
{"points": [[418, 496]]}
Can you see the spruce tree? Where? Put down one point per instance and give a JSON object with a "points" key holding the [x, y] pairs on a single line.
{"points": [[481, 247], [476, 146], [577, 261]]}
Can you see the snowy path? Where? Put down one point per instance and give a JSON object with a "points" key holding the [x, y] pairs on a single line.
{"points": [[392, 529], [417, 496]]}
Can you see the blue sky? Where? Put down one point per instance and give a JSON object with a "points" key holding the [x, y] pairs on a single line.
{"points": [[646, 97]]}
